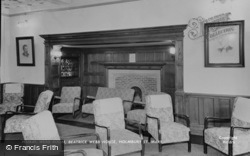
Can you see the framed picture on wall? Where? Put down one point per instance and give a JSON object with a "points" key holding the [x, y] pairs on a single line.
{"points": [[25, 51], [224, 44]]}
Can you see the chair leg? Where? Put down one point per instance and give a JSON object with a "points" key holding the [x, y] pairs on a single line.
{"points": [[3, 137], [143, 148], [149, 138], [189, 145], [204, 148], [160, 147]]}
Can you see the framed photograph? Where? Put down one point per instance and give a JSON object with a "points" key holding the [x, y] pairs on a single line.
{"points": [[25, 51], [224, 44]]}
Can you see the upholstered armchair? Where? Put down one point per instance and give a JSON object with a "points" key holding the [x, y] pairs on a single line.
{"points": [[139, 115], [69, 101], [160, 121], [110, 125], [233, 140], [12, 97], [14, 123], [35, 128], [126, 95]]}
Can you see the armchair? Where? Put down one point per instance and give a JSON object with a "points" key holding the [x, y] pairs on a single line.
{"points": [[233, 140], [14, 123], [139, 115], [69, 101], [12, 97], [35, 128], [160, 122], [103, 92], [110, 125]]}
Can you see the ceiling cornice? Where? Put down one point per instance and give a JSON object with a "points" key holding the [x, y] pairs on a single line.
{"points": [[69, 8]]}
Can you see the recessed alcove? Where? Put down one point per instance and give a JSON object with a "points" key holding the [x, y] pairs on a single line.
{"points": [[100, 51]]}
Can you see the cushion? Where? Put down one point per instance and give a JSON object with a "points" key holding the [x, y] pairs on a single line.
{"points": [[218, 138], [40, 127], [14, 124], [121, 144], [64, 108], [170, 132], [138, 115], [241, 115], [88, 108]]}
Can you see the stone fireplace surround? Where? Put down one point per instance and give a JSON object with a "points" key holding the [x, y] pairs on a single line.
{"points": [[146, 80]]}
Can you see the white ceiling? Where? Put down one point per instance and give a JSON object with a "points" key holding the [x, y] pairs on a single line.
{"points": [[15, 7]]}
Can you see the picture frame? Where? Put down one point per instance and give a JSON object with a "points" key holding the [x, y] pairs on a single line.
{"points": [[25, 51], [224, 44]]}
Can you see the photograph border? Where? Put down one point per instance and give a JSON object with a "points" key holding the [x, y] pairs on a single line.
{"points": [[241, 43], [18, 39]]}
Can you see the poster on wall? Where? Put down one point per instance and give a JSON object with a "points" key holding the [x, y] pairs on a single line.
{"points": [[224, 44], [25, 51]]}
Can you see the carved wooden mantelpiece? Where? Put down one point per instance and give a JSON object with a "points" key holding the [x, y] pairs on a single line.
{"points": [[136, 66]]}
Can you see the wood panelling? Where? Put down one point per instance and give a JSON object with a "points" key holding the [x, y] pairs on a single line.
{"points": [[97, 57], [199, 106], [31, 93]]}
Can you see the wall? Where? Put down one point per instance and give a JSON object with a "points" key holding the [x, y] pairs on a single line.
{"points": [[146, 13], [227, 81], [5, 35]]}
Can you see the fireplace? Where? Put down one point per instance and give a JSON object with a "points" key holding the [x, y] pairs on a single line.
{"points": [[145, 80]]}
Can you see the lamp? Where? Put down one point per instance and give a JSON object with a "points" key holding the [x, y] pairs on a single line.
{"points": [[172, 50], [56, 51]]}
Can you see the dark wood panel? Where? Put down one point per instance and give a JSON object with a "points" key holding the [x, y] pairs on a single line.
{"points": [[199, 106], [149, 45], [31, 93]]}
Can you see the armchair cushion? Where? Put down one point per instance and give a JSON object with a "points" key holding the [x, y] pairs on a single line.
{"points": [[138, 115], [33, 131], [65, 107], [218, 138], [14, 123], [35, 128], [109, 113], [67, 103], [241, 115], [12, 97], [121, 144], [104, 93], [171, 132]]}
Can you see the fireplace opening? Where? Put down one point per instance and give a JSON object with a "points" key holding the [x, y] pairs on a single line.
{"points": [[138, 94], [137, 98]]}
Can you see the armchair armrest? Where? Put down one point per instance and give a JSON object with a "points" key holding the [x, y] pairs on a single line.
{"points": [[158, 124], [90, 97], [108, 136], [137, 123], [214, 119], [230, 142], [185, 117], [22, 106], [57, 97]]}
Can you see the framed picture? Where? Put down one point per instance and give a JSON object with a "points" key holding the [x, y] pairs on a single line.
{"points": [[224, 44], [25, 51]]}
